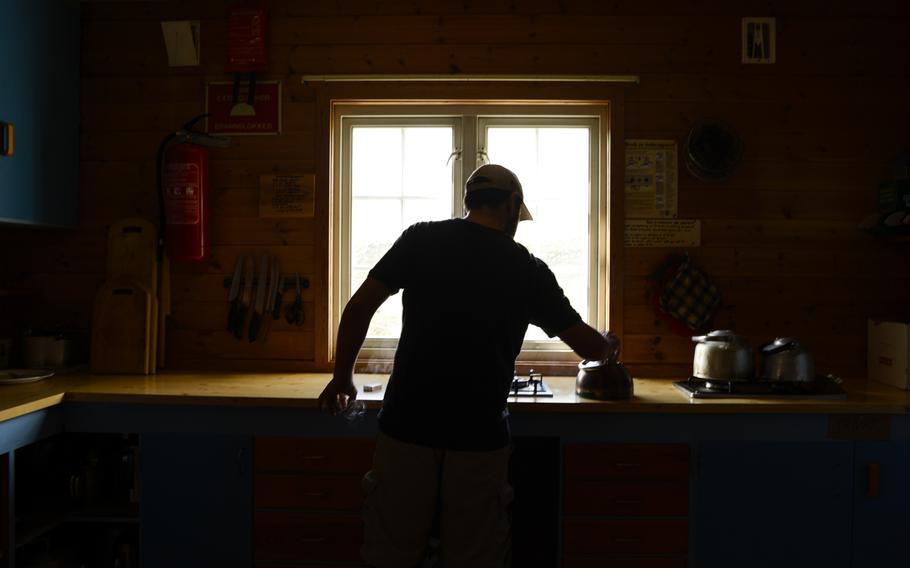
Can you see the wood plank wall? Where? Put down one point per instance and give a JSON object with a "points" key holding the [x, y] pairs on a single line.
{"points": [[820, 128]]}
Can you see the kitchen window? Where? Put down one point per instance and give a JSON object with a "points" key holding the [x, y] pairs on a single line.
{"points": [[395, 165]]}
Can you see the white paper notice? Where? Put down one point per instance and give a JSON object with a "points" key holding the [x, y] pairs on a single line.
{"points": [[288, 195], [651, 179], [663, 232]]}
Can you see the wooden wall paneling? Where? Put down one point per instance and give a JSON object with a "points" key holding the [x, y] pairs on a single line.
{"points": [[820, 128], [220, 345], [212, 316], [325, 321], [616, 215]]}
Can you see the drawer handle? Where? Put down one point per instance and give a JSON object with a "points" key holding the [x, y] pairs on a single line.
{"points": [[314, 539], [628, 501], [627, 464], [314, 493], [6, 144], [627, 539], [314, 458]]}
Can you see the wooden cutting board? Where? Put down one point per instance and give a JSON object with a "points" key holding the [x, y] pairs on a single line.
{"points": [[121, 328], [131, 254], [164, 309]]}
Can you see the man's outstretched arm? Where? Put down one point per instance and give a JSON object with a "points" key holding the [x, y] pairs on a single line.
{"points": [[352, 330], [590, 344]]}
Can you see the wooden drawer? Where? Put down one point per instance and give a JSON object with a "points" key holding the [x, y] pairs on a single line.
{"points": [[319, 455], [635, 462], [292, 536], [628, 536], [341, 492], [606, 562], [626, 498]]}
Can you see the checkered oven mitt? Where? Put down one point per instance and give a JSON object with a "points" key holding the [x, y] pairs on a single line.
{"points": [[683, 295]]}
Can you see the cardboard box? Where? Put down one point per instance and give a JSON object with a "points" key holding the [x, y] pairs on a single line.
{"points": [[888, 352]]}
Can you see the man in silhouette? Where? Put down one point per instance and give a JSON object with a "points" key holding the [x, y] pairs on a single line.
{"points": [[442, 454]]}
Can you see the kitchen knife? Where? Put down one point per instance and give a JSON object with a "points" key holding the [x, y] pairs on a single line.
{"points": [[245, 297], [276, 309], [270, 299], [234, 295], [261, 286]]}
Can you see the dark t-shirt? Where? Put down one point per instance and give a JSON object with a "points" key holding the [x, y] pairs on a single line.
{"points": [[469, 294]]}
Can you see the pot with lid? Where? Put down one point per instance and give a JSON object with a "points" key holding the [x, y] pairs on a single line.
{"points": [[604, 380], [722, 355], [784, 359]]}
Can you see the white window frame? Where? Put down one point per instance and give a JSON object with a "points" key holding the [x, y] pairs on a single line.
{"points": [[470, 120]]}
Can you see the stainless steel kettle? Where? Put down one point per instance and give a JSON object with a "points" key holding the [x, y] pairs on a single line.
{"points": [[722, 355], [604, 380], [784, 359]]}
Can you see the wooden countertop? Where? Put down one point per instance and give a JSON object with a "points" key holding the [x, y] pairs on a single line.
{"points": [[302, 389]]}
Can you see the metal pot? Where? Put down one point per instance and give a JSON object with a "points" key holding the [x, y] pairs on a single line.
{"points": [[604, 380], [722, 355], [784, 359]]}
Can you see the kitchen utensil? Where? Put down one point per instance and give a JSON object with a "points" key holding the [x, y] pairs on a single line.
{"points": [[121, 328], [279, 297], [784, 359], [712, 150], [721, 354], [246, 292], [294, 315], [270, 300], [259, 306], [234, 295], [132, 254], [43, 351], [604, 380], [164, 307], [20, 376]]}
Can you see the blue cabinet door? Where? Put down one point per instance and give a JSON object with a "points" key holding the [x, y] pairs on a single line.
{"points": [[882, 504], [39, 96], [196, 502], [773, 504]]}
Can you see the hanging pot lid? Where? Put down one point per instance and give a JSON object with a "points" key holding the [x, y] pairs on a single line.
{"points": [[712, 150]]}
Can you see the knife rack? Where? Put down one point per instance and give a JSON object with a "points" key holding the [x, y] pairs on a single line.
{"points": [[290, 283]]}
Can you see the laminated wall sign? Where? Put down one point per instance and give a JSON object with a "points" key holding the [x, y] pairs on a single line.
{"points": [[287, 195], [228, 117], [651, 179], [640, 233]]}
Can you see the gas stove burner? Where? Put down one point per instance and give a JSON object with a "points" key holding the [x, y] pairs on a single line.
{"points": [[713, 385], [530, 386], [827, 387]]}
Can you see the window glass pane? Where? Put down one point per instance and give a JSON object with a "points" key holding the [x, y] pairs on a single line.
{"points": [[553, 165], [376, 155], [399, 176]]}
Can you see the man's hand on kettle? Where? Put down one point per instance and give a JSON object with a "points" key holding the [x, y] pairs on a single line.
{"points": [[612, 345], [336, 396]]}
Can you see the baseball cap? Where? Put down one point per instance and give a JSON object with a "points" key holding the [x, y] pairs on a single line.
{"points": [[494, 176]]}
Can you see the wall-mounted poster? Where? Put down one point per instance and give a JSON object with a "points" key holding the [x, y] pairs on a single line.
{"points": [[234, 115], [287, 195], [650, 178]]}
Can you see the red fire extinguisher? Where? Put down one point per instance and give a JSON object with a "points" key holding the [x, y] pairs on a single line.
{"points": [[186, 202], [184, 194]]}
